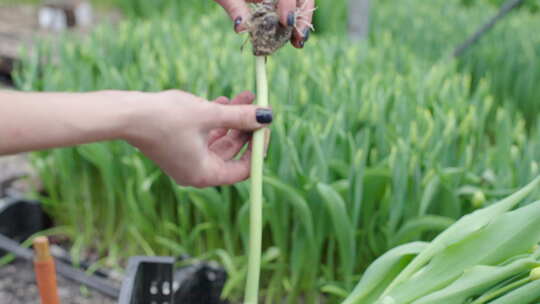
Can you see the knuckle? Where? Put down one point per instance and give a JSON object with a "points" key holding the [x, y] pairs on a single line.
{"points": [[245, 117], [234, 117], [221, 114]]}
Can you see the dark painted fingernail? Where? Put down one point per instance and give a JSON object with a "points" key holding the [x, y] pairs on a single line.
{"points": [[305, 37], [237, 23], [291, 19], [264, 116], [307, 31]]}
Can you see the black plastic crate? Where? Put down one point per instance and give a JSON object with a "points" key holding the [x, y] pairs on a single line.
{"points": [[148, 280], [19, 218], [154, 280]]}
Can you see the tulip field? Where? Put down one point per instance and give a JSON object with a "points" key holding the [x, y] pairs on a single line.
{"points": [[387, 150]]}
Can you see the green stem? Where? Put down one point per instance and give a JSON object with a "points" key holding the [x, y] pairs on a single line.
{"points": [[490, 296], [255, 216]]}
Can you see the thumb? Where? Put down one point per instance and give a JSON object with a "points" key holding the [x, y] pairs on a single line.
{"points": [[238, 11], [241, 117]]}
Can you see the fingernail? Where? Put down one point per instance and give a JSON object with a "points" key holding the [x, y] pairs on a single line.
{"points": [[307, 31], [264, 116], [291, 19], [237, 23]]}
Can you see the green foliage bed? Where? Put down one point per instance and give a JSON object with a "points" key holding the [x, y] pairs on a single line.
{"points": [[488, 256], [372, 147], [507, 55]]}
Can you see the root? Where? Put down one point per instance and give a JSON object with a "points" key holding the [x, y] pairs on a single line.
{"points": [[267, 33]]}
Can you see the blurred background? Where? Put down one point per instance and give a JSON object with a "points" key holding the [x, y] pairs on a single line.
{"points": [[386, 131]]}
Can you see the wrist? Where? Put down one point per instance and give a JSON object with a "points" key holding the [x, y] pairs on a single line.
{"points": [[137, 113], [128, 110], [147, 116]]}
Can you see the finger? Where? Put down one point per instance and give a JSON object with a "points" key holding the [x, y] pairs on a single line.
{"points": [[218, 133], [303, 23], [228, 146], [219, 172], [245, 97], [238, 11], [221, 100], [286, 11], [237, 170], [238, 117]]}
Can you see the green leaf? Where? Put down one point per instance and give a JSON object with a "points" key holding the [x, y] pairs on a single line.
{"points": [[343, 229], [298, 203], [510, 234], [428, 195], [414, 227], [462, 229], [380, 273], [477, 280], [526, 294]]}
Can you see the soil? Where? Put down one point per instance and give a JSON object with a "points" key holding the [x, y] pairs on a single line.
{"points": [[18, 286], [266, 32]]}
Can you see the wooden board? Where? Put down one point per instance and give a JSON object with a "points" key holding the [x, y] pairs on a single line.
{"points": [[18, 25], [19, 28]]}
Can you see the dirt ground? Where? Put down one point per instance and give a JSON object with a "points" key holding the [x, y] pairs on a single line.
{"points": [[17, 283], [18, 286]]}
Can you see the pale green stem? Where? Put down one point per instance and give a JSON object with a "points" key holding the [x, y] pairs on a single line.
{"points": [[490, 296], [255, 212]]}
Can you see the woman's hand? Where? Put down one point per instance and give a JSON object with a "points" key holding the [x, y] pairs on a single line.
{"points": [[194, 141], [297, 13], [197, 142]]}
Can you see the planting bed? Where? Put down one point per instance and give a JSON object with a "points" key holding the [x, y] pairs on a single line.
{"points": [[18, 286]]}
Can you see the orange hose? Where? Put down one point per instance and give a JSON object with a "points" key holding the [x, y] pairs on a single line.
{"points": [[45, 272]]}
